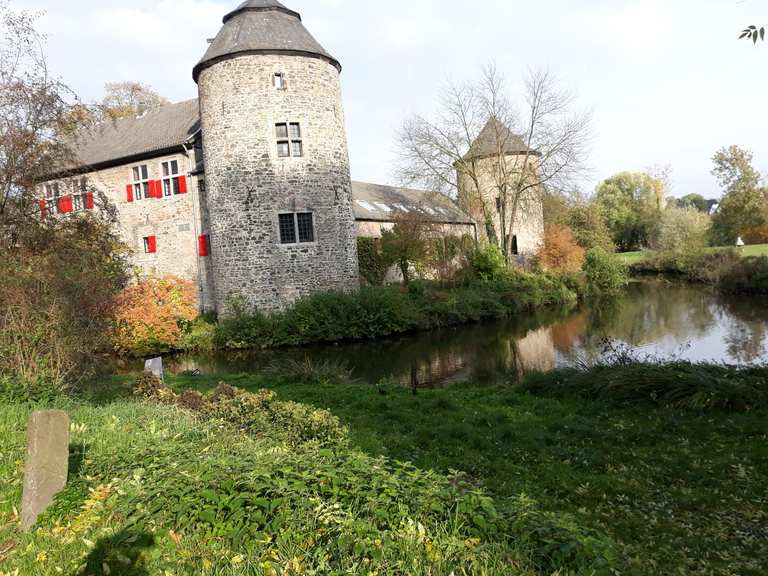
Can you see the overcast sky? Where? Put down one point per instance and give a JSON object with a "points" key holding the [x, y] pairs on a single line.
{"points": [[668, 81]]}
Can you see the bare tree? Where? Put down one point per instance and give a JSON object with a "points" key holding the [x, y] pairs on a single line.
{"points": [[495, 157], [126, 99]]}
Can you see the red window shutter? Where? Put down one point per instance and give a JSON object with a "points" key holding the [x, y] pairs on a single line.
{"points": [[70, 204], [89, 200], [203, 249], [152, 189], [152, 244], [43, 208], [65, 204], [182, 184], [129, 192], [158, 189]]}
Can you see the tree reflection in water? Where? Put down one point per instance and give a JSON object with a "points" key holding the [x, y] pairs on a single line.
{"points": [[658, 317]]}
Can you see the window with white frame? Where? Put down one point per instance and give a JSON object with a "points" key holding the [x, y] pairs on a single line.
{"points": [[279, 81], [289, 142], [140, 182], [79, 192], [52, 193], [170, 171], [297, 228]]}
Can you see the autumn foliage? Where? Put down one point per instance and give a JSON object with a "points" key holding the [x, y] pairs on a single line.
{"points": [[560, 252], [153, 314]]}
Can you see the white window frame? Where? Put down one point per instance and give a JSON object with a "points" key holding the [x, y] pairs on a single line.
{"points": [[171, 180], [52, 194], [79, 192], [140, 186], [295, 216], [278, 81], [294, 143]]}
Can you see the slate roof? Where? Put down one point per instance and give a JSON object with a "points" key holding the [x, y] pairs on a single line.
{"points": [[262, 27], [487, 142], [382, 203], [158, 130]]}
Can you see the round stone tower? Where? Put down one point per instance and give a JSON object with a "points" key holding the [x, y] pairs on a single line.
{"points": [[278, 186]]}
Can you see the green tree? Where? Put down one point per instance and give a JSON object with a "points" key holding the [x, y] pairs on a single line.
{"points": [[683, 235], [696, 201], [407, 243], [587, 222], [631, 204], [744, 205]]}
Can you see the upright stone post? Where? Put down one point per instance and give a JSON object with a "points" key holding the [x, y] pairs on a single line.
{"points": [[46, 465], [155, 366]]}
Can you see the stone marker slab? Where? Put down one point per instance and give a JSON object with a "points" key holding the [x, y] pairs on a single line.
{"points": [[155, 366], [46, 465]]}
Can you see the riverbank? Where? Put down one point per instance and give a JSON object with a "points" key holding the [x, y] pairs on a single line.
{"points": [[755, 250], [659, 481]]}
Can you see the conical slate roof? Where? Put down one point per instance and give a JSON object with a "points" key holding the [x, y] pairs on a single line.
{"points": [[262, 27], [493, 134]]}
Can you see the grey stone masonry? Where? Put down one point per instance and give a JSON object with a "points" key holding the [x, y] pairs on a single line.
{"points": [[249, 184], [47, 463]]}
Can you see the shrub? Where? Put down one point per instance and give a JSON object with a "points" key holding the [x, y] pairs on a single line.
{"points": [[560, 252], [406, 245], [606, 274], [682, 237], [373, 264], [310, 372], [589, 228], [198, 336], [749, 275], [153, 314], [487, 262], [58, 281], [756, 235]]}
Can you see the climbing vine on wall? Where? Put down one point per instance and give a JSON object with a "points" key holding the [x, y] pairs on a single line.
{"points": [[373, 263]]}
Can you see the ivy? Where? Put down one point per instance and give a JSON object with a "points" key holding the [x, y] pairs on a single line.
{"points": [[373, 263]]}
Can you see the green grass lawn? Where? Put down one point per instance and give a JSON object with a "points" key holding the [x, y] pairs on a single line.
{"points": [[630, 258], [681, 493]]}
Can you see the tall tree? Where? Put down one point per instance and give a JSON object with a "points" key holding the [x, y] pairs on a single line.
{"points": [[549, 137], [744, 206], [128, 99], [696, 201], [631, 204], [34, 112]]}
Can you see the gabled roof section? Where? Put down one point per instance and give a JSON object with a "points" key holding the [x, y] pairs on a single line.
{"points": [[494, 135], [157, 131], [379, 203], [262, 27]]}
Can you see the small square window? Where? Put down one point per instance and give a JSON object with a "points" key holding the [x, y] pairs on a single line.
{"points": [[306, 227], [281, 130], [283, 149], [287, 229], [295, 130], [296, 148]]}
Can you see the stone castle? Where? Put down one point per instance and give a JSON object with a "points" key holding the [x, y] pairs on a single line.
{"points": [[246, 190]]}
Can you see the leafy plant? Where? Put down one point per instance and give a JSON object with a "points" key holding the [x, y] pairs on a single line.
{"points": [[560, 252], [606, 274], [753, 33], [487, 262]]}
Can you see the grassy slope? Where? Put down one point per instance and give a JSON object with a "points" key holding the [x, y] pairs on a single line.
{"points": [[682, 493], [754, 250]]}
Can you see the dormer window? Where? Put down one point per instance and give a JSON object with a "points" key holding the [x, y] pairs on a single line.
{"points": [[289, 141], [279, 81]]}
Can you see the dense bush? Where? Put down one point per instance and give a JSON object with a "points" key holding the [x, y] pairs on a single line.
{"points": [[560, 252], [487, 262], [153, 314], [384, 311], [676, 385], [606, 274], [372, 261], [682, 237], [749, 275], [58, 281]]}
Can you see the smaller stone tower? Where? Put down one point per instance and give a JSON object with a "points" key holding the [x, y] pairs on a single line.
{"points": [[277, 177], [494, 143]]}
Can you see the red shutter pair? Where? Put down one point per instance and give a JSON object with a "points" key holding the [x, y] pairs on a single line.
{"points": [[203, 245], [156, 189]]}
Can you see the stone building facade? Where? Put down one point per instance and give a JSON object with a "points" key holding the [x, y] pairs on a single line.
{"points": [[480, 181], [245, 190]]}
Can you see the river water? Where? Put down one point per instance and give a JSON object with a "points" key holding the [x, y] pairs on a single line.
{"points": [[654, 318]]}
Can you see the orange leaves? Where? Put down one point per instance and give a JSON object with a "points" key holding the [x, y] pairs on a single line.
{"points": [[152, 315], [560, 252]]}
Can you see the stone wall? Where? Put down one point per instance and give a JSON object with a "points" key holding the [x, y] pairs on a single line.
{"points": [[248, 185], [175, 221], [528, 223]]}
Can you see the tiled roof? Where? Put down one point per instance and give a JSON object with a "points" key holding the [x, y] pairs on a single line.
{"points": [[157, 130], [494, 134], [382, 203], [265, 27]]}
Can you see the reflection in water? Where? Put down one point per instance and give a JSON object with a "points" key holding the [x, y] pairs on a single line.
{"points": [[657, 317]]}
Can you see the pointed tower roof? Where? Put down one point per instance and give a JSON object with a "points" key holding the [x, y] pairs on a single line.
{"points": [[262, 27], [494, 134]]}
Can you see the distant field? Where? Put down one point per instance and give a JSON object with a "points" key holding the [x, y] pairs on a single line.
{"points": [[755, 250]]}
